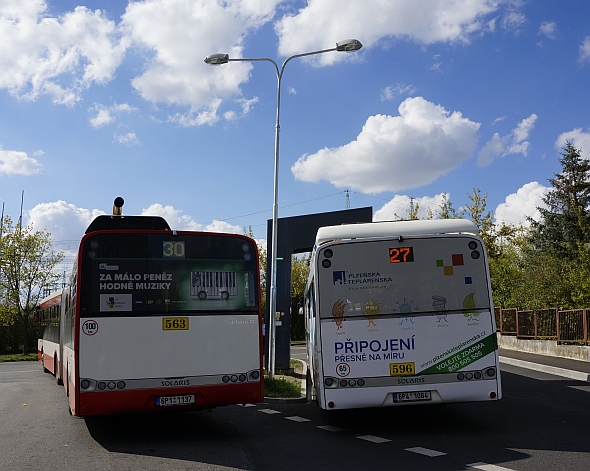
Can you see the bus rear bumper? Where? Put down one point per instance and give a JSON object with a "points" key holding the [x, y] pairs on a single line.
{"points": [[486, 390], [122, 402]]}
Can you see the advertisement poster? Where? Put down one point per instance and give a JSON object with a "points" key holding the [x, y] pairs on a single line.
{"points": [[171, 286], [419, 303]]}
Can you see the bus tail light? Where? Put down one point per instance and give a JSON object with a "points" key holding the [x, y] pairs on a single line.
{"points": [[493, 395]]}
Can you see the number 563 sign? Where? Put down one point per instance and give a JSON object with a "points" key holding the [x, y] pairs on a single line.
{"points": [[175, 323]]}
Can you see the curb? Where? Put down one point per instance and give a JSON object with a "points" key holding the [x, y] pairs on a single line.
{"points": [[553, 370], [292, 400]]}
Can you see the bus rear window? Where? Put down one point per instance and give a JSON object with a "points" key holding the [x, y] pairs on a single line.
{"points": [[130, 274]]}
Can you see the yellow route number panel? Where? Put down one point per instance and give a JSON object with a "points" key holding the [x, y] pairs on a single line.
{"points": [[175, 323], [401, 369]]}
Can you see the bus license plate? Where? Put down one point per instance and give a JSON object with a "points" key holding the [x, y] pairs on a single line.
{"points": [[165, 401], [412, 396], [175, 323], [401, 369]]}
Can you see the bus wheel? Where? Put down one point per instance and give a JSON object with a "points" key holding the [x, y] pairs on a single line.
{"points": [[224, 295], [202, 295], [57, 376]]}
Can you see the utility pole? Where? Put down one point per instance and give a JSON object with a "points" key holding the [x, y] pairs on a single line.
{"points": [[346, 200]]}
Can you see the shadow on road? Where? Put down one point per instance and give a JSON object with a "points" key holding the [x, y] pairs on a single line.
{"points": [[194, 436]]}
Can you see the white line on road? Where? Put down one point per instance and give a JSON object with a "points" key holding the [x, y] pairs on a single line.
{"points": [[553, 370], [18, 371], [488, 467], [373, 438], [269, 411], [425, 451], [331, 428], [296, 418]]}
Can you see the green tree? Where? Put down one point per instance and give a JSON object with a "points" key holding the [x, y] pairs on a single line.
{"points": [[299, 273], [446, 209], [564, 226], [262, 263], [27, 266]]}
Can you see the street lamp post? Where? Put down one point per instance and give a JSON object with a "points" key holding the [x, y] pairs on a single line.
{"points": [[348, 45]]}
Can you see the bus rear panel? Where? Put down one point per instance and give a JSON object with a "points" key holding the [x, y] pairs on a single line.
{"points": [[405, 320], [145, 339]]}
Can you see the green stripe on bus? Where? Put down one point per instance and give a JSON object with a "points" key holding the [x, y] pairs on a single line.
{"points": [[464, 357]]}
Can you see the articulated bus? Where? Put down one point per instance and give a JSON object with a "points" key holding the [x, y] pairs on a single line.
{"points": [[400, 313], [134, 334]]}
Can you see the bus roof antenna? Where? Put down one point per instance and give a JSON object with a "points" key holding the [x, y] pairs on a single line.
{"points": [[118, 206]]}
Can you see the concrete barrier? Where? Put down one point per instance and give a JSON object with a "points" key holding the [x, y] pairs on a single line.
{"points": [[544, 347]]}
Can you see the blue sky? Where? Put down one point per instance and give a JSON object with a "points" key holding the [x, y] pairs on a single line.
{"points": [[102, 99]]}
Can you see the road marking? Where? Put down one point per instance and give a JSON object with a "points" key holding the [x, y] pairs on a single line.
{"points": [[331, 428], [373, 438], [488, 467], [425, 451], [269, 411], [296, 418], [21, 371], [553, 370], [246, 405]]}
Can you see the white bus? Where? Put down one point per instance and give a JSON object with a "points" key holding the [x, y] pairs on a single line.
{"points": [[400, 313], [132, 338]]}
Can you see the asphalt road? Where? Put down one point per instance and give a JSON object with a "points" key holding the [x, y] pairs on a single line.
{"points": [[542, 423]]}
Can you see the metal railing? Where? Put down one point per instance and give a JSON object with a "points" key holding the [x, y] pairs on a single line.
{"points": [[569, 326]]}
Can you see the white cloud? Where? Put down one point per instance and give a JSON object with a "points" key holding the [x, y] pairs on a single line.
{"points": [[196, 117], [222, 226], [585, 50], [521, 204], [513, 20], [58, 56], [13, 162], [64, 221], [129, 139], [177, 35], [549, 29], [105, 114], [321, 23], [578, 138], [393, 153], [246, 106], [182, 222], [399, 207], [513, 143], [393, 91]]}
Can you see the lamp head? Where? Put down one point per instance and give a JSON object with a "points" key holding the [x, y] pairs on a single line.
{"points": [[349, 45], [217, 59]]}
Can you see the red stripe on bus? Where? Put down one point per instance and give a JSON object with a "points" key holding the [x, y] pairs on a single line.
{"points": [[116, 402]]}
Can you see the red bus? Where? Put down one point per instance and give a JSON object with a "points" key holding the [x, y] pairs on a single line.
{"points": [[48, 316], [136, 336]]}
